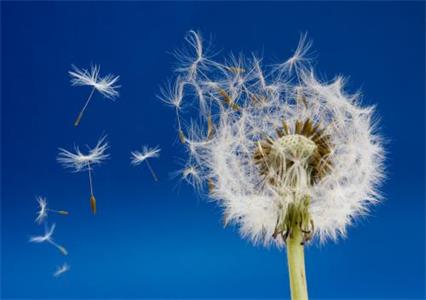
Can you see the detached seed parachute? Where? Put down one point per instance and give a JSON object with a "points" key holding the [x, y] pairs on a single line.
{"points": [[43, 211], [107, 86], [143, 156], [80, 162], [47, 237], [61, 270]]}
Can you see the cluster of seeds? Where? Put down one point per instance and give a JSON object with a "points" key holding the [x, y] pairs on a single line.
{"points": [[80, 161], [47, 237]]}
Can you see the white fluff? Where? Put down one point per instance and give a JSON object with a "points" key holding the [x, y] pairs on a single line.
{"points": [[42, 212], [61, 270], [82, 162], [140, 156], [47, 237], [257, 100], [106, 85]]}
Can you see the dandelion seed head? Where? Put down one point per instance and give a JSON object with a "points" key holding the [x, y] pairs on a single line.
{"points": [[106, 85], [281, 139], [78, 161]]}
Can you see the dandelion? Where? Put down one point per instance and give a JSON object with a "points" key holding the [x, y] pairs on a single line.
{"points": [[47, 237], [138, 157], [107, 85], [61, 270], [43, 210], [80, 162], [289, 158]]}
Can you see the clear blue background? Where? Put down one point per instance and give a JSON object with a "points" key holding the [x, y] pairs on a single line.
{"points": [[152, 240]]}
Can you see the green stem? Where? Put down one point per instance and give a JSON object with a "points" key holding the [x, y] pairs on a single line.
{"points": [[296, 265]]}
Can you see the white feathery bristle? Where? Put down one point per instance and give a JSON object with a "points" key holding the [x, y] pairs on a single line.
{"points": [[191, 175], [194, 58], [300, 57], [137, 157], [61, 270], [47, 236], [79, 161], [106, 85], [42, 212], [172, 94]]}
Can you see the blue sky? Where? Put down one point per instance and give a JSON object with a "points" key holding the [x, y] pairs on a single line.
{"points": [[161, 240]]}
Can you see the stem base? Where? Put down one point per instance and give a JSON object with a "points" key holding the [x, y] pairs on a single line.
{"points": [[296, 265]]}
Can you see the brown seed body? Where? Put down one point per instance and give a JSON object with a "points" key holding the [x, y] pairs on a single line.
{"points": [[93, 204]]}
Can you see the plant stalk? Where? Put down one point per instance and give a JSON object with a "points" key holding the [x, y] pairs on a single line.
{"points": [[296, 265]]}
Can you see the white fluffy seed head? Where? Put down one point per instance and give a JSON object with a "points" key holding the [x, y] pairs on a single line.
{"points": [[337, 160]]}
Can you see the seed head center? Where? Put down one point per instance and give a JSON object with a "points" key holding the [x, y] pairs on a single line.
{"points": [[295, 145]]}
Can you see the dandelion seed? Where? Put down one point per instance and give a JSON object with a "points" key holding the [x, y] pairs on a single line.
{"points": [[85, 162], [61, 270], [42, 213], [295, 159], [182, 137], [192, 176], [147, 153], [236, 70], [172, 94], [47, 237], [211, 185], [191, 61], [228, 100], [43, 210], [107, 85], [299, 58], [210, 127]]}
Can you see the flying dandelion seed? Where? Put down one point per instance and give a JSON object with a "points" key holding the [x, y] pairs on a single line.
{"points": [[138, 157], [43, 210], [80, 162], [288, 157], [47, 237], [61, 270], [107, 85]]}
